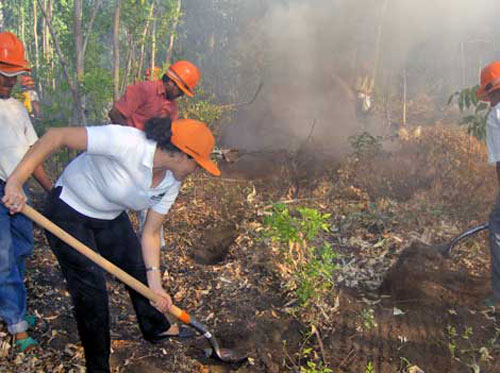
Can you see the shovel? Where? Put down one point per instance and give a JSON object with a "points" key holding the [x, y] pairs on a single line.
{"points": [[216, 352], [467, 233]]}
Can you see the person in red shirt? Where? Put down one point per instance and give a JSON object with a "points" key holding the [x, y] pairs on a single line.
{"points": [[145, 100], [155, 98]]}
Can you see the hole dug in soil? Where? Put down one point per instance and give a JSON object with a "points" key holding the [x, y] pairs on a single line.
{"points": [[214, 244]]}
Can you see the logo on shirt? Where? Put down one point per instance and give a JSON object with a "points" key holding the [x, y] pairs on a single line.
{"points": [[157, 197]]}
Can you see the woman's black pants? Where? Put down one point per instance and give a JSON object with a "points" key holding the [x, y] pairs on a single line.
{"points": [[116, 241]]}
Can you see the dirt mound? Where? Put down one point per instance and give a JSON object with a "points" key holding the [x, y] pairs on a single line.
{"points": [[442, 160], [422, 275]]}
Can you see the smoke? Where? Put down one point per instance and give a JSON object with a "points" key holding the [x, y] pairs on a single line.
{"points": [[308, 54], [304, 97]]}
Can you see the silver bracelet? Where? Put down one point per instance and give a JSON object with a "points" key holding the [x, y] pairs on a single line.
{"points": [[149, 269]]}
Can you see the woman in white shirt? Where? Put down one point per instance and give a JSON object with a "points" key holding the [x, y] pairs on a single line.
{"points": [[122, 168]]}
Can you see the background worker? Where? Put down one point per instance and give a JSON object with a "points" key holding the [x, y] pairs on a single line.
{"points": [[16, 231], [156, 74], [155, 98], [363, 87], [489, 91], [121, 168], [30, 97]]}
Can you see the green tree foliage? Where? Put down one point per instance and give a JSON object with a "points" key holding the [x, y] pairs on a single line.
{"points": [[96, 87], [477, 111], [365, 144]]}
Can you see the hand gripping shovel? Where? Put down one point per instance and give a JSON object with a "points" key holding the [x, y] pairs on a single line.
{"points": [[217, 352]]}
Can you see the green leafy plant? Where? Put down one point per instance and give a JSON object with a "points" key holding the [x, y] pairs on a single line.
{"points": [[369, 367], [365, 144], [312, 222], [281, 225], [452, 340], [468, 332], [98, 90], [311, 365], [201, 108], [478, 111], [309, 269], [316, 278], [284, 227], [367, 316]]}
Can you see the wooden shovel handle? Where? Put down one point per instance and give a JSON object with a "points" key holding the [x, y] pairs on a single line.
{"points": [[100, 261]]}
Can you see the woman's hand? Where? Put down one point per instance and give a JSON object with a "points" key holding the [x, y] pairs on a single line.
{"points": [[14, 198], [164, 301]]}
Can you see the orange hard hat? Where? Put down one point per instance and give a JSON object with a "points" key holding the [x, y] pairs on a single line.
{"points": [[490, 80], [186, 75], [195, 139], [12, 61]]}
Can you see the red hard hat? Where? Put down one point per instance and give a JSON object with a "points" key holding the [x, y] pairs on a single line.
{"points": [[12, 55], [186, 75], [490, 80]]}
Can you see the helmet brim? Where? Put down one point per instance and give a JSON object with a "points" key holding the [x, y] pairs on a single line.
{"points": [[13, 70], [182, 86], [12, 74], [207, 164], [482, 93]]}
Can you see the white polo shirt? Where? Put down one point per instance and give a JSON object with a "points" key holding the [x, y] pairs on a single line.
{"points": [[115, 174], [16, 135], [493, 134]]}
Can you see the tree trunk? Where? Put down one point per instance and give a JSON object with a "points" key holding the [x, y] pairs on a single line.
{"points": [[45, 34], [78, 35], [405, 99], [48, 53], [21, 24], [376, 61], [116, 51], [90, 26], [35, 35], [173, 33], [79, 107], [1, 16], [72, 86], [128, 63], [143, 44], [153, 47]]}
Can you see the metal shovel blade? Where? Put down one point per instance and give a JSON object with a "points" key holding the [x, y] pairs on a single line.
{"points": [[223, 354], [467, 233], [226, 355]]}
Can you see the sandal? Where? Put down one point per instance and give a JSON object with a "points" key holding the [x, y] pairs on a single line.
{"points": [[27, 343], [184, 332], [31, 320]]}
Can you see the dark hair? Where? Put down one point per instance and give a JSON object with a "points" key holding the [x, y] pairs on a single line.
{"points": [[160, 130]]}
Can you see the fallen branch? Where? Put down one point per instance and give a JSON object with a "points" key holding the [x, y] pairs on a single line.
{"points": [[320, 342], [232, 106]]}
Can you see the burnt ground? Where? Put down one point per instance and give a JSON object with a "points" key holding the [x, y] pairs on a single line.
{"points": [[400, 305]]}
